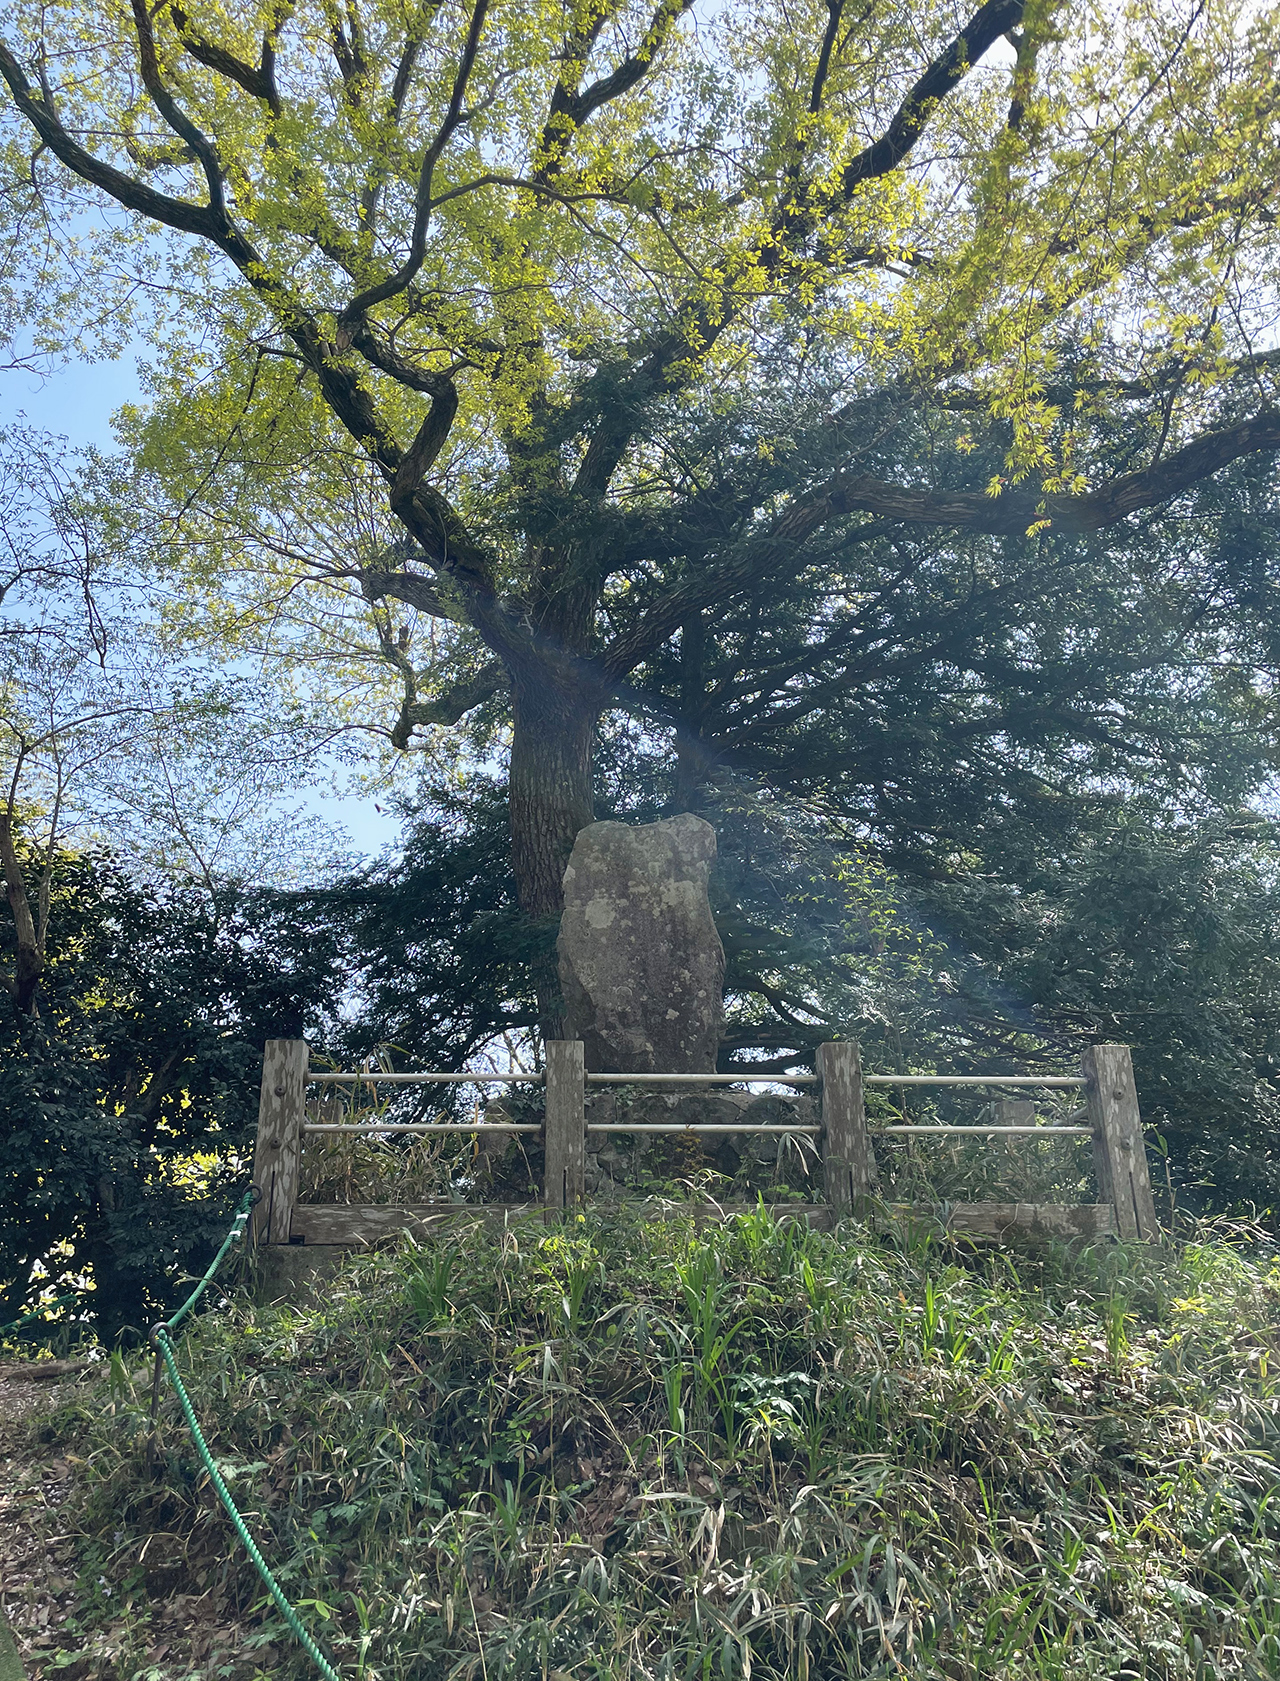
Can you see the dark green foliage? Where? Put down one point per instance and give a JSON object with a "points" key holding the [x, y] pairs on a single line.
{"points": [[1163, 935], [433, 952], [628, 1449], [128, 1103], [940, 693]]}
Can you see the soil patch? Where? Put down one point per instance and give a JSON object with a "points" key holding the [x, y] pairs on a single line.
{"points": [[157, 1631], [37, 1568]]}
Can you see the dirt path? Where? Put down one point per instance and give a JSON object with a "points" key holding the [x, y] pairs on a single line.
{"points": [[37, 1573], [174, 1635]]}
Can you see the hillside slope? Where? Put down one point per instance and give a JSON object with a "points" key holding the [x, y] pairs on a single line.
{"points": [[627, 1448]]}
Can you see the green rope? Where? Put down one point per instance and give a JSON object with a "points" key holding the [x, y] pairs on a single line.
{"points": [[161, 1338], [161, 1342], [237, 1229], [38, 1313]]}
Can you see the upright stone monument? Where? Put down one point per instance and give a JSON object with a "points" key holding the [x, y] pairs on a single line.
{"points": [[642, 973], [641, 964]]}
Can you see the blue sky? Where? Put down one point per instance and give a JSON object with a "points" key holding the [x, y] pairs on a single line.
{"points": [[76, 401]]}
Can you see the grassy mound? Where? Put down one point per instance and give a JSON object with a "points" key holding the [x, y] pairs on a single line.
{"points": [[621, 1448]]}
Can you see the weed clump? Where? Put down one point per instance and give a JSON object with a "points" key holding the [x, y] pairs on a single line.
{"points": [[630, 1447]]}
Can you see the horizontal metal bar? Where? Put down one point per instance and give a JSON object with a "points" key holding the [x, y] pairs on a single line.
{"points": [[370, 1128], [702, 1079], [997, 1131], [375, 1079], [676, 1126], [973, 1080]]}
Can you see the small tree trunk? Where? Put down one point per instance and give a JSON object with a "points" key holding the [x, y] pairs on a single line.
{"points": [[28, 959], [550, 800], [692, 760]]}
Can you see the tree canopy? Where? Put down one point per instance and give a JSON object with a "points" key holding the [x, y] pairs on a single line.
{"points": [[470, 273]]}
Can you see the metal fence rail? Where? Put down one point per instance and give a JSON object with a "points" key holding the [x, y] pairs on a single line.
{"points": [[1049, 1130], [844, 1140], [702, 1080], [374, 1077], [379, 1127]]}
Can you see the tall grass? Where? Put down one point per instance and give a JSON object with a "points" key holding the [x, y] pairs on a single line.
{"points": [[627, 1448]]}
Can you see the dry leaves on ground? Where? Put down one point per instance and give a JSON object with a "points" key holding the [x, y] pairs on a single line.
{"points": [[37, 1566], [180, 1634]]}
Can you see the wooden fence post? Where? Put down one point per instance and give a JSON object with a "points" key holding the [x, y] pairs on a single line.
{"points": [[276, 1153], [566, 1125], [849, 1165], [1119, 1153]]}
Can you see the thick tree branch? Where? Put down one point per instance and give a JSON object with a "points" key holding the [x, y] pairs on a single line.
{"points": [[835, 16], [177, 213], [699, 324], [633, 69], [1010, 514], [257, 80], [572, 106], [349, 56], [380, 168], [172, 113], [1013, 512], [381, 355], [982, 31], [456, 701], [377, 584], [424, 449]]}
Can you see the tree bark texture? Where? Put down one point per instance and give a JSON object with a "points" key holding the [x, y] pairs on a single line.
{"points": [[551, 796], [549, 800], [28, 958]]}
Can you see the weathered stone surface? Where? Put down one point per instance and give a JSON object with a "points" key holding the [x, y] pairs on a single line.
{"points": [[641, 964]]}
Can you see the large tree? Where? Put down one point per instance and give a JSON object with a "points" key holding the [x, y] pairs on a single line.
{"points": [[504, 249]]}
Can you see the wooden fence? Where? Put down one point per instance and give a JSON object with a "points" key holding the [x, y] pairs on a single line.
{"points": [[1126, 1209]]}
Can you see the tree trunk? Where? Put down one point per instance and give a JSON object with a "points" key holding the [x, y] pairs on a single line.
{"points": [[692, 759], [553, 734], [28, 956]]}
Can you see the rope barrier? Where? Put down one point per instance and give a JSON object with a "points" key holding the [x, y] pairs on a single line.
{"points": [[162, 1342]]}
